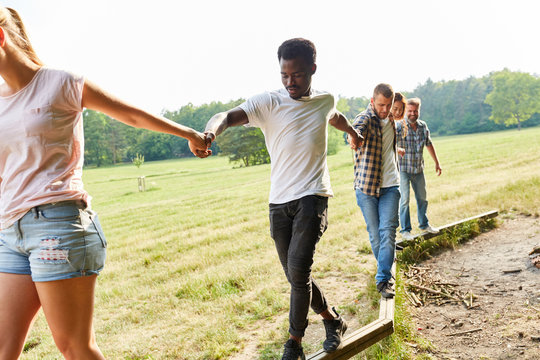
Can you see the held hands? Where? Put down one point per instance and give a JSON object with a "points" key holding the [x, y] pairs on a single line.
{"points": [[200, 146], [355, 140], [401, 151]]}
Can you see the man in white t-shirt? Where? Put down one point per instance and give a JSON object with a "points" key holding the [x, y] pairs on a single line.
{"points": [[294, 123]]}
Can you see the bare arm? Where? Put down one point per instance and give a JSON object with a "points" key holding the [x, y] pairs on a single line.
{"points": [[97, 99], [221, 121], [340, 122], [433, 154]]}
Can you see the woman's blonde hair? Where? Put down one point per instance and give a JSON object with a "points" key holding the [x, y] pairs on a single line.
{"points": [[399, 97], [11, 21]]}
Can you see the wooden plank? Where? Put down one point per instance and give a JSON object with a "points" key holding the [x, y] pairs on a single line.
{"points": [[366, 336], [359, 340], [386, 306], [425, 235]]}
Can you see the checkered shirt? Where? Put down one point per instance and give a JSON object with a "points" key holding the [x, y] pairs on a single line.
{"points": [[413, 160], [368, 158]]}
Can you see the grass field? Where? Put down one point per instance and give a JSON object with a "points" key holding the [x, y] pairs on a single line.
{"points": [[191, 267]]}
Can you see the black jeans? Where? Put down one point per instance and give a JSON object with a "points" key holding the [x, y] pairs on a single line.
{"points": [[296, 227]]}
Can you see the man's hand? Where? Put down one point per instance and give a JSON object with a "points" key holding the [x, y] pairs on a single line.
{"points": [[401, 151], [355, 140], [438, 169], [209, 137], [199, 146]]}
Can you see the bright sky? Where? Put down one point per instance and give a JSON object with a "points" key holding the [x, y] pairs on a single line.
{"points": [[164, 54]]}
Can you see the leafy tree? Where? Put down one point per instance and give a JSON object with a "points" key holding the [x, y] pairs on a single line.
{"points": [[96, 128], [515, 97], [350, 107], [138, 160], [336, 139], [450, 107], [456, 107], [245, 145]]}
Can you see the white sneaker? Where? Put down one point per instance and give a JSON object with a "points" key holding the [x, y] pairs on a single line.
{"points": [[406, 235], [431, 230]]}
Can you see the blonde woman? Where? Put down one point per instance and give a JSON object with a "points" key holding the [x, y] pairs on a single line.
{"points": [[51, 244], [398, 113]]}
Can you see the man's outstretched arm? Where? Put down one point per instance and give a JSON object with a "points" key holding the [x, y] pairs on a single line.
{"points": [[340, 122], [220, 122]]}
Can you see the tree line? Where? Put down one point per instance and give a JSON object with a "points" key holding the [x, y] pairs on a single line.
{"points": [[490, 103]]}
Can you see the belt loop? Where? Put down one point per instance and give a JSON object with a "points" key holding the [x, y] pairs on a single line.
{"points": [[35, 212]]}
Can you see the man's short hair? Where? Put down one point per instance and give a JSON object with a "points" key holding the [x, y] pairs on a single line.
{"points": [[415, 101], [385, 90], [297, 47]]}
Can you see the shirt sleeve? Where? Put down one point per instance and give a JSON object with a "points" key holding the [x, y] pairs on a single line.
{"points": [[257, 109], [72, 90], [333, 111], [360, 124], [427, 135]]}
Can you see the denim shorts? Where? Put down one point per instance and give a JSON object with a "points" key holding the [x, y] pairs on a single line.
{"points": [[54, 242]]}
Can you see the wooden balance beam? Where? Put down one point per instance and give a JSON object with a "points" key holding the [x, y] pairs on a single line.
{"points": [[446, 228], [366, 336]]}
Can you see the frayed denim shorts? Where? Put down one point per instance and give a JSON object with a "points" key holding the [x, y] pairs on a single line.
{"points": [[54, 242]]}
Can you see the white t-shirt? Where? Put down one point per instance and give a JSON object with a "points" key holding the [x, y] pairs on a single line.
{"points": [[390, 174], [296, 134], [41, 144]]}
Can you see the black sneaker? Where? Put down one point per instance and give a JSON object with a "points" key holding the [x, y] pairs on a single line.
{"points": [[385, 288], [293, 351], [334, 332]]}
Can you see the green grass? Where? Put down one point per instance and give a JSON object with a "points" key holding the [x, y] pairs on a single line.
{"points": [[192, 270]]}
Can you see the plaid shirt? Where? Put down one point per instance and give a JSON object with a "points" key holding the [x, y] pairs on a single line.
{"points": [[368, 158], [413, 160]]}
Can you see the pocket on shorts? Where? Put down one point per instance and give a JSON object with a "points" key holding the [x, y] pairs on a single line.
{"points": [[59, 213], [93, 224]]}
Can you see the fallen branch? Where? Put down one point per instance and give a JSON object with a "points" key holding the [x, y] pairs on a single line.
{"points": [[416, 299], [434, 291], [464, 332], [446, 283], [511, 271]]}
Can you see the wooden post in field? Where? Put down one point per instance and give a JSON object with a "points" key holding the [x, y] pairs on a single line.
{"points": [[142, 183]]}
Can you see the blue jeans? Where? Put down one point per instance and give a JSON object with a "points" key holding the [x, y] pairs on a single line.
{"points": [[381, 216], [418, 183]]}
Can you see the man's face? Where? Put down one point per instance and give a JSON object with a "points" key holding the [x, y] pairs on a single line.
{"points": [[412, 112], [296, 76], [382, 105]]}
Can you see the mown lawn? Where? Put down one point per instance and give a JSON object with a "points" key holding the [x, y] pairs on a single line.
{"points": [[191, 265]]}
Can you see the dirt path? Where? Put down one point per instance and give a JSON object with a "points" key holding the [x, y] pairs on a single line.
{"points": [[504, 322]]}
